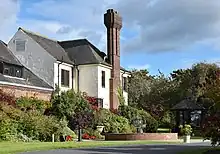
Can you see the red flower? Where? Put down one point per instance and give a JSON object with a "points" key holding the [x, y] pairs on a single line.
{"points": [[85, 136], [69, 138]]}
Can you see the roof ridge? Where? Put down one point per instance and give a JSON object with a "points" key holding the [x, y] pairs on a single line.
{"points": [[37, 34], [63, 41]]}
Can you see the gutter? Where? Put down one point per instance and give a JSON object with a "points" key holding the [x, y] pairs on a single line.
{"points": [[77, 68], [25, 86]]}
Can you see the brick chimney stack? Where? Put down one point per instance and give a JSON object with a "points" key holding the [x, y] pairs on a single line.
{"points": [[113, 23]]}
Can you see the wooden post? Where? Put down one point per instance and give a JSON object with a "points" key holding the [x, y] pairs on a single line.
{"points": [[53, 138]]}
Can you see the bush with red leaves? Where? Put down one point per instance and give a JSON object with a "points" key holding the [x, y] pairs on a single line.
{"points": [[7, 98], [93, 102], [211, 128]]}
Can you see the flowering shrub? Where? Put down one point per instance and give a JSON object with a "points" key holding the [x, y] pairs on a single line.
{"points": [[92, 101], [69, 138], [88, 137]]}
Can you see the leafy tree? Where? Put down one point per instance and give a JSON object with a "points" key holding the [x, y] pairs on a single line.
{"points": [[138, 85]]}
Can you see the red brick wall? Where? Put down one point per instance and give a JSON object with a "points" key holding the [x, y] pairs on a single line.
{"points": [[29, 92], [142, 136]]}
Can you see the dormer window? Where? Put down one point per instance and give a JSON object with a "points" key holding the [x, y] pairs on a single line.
{"points": [[20, 45], [12, 70]]}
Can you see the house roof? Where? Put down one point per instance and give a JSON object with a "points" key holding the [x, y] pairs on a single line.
{"points": [[7, 56], [51, 46], [83, 52], [79, 51], [187, 104], [30, 79]]}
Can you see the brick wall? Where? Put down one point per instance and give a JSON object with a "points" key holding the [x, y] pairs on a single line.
{"points": [[142, 136], [29, 92]]}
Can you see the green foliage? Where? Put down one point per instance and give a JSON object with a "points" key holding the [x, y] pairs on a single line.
{"points": [[67, 103], [186, 129], [168, 120], [92, 132], [63, 105], [32, 103], [32, 125], [120, 96], [138, 85], [113, 123], [130, 113]]}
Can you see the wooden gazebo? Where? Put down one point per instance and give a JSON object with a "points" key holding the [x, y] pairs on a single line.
{"points": [[189, 111]]}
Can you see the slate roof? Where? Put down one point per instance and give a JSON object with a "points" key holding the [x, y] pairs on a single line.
{"points": [[29, 78], [187, 104], [83, 52], [7, 56], [78, 52], [51, 46]]}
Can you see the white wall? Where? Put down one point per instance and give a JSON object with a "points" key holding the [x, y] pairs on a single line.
{"points": [[125, 94], [65, 67], [104, 92], [88, 79], [35, 58]]}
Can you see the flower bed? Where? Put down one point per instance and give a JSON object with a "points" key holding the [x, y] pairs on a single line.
{"points": [[142, 136]]}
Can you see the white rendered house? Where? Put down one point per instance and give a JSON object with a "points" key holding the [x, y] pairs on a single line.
{"points": [[76, 64]]}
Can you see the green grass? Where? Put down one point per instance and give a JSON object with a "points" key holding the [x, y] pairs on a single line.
{"points": [[200, 151], [15, 147]]}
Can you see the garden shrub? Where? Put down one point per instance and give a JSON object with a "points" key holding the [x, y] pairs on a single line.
{"points": [[113, 123], [32, 103], [8, 128], [7, 98], [211, 127], [90, 133], [131, 113], [30, 125], [167, 120]]}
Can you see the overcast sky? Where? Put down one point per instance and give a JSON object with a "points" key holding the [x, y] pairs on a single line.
{"points": [[156, 34]]}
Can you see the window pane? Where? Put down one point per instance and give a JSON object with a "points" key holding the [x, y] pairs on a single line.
{"points": [[6, 71], [1, 68], [65, 77], [20, 45], [103, 79], [124, 83], [18, 73]]}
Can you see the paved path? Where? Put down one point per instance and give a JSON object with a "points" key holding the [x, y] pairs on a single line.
{"points": [[137, 149]]}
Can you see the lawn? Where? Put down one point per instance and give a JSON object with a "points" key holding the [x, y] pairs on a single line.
{"points": [[15, 147]]}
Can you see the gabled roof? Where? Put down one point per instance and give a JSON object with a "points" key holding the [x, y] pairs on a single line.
{"points": [[7, 56], [83, 52], [51, 46], [187, 104], [72, 51]]}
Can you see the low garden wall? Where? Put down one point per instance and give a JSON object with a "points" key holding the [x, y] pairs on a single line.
{"points": [[141, 136]]}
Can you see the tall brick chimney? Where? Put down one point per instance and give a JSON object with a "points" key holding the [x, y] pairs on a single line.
{"points": [[113, 23]]}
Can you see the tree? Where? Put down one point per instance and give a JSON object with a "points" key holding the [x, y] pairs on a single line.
{"points": [[162, 95], [138, 85]]}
